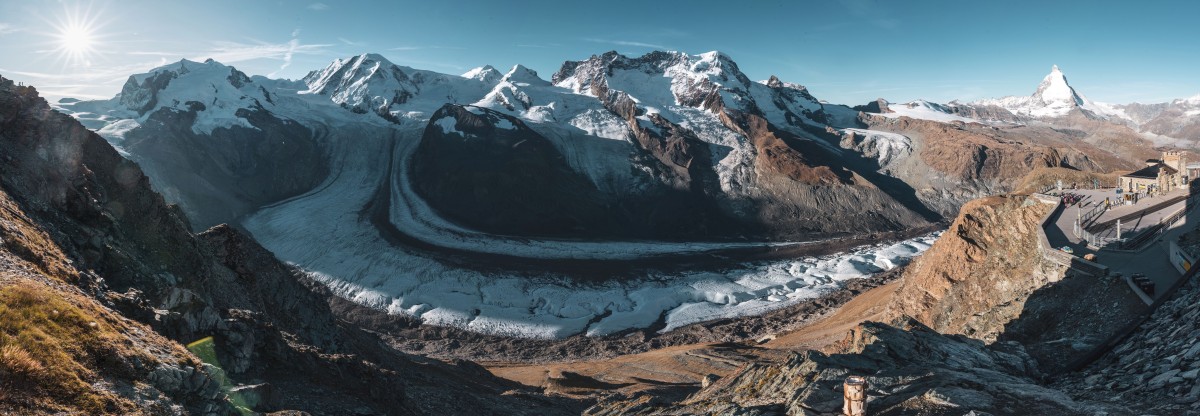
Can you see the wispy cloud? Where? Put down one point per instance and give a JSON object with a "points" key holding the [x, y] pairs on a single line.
{"points": [[287, 57], [78, 84], [317, 6], [420, 47], [350, 42], [626, 43], [6, 28], [537, 45], [153, 53], [231, 52], [869, 11]]}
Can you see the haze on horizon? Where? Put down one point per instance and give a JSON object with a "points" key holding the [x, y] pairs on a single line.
{"points": [[850, 51]]}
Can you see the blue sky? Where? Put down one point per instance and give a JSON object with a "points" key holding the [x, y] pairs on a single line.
{"points": [[844, 51]]}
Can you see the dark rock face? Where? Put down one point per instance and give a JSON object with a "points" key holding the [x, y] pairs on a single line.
{"points": [[270, 323], [878, 106], [218, 178], [511, 180]]}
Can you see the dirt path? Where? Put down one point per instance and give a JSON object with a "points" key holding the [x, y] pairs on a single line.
{"points": [[689, 364], [869, 306]]}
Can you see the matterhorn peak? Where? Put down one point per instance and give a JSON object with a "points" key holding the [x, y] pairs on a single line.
{"points": [[1054, 98], [1055, 89]]}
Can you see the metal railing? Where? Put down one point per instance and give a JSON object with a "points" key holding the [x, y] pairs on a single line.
{"points": [[1055, 255], [1158, 228], [1086, 217]]}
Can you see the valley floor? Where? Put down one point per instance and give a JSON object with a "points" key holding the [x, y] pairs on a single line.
{"points": [[690, 364]]}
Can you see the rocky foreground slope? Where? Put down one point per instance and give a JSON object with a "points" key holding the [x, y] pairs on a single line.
{"points": [[103, 284], [1156, 369]]}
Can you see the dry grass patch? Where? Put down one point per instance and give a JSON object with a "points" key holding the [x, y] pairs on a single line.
{"points": [[20, 237], [52, 351]]}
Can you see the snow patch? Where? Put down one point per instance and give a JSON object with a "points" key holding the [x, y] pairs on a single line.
{"points": [[448, 125], [924, 110]]}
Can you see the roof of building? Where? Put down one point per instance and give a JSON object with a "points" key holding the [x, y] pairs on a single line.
{"points": [[1151, 172]]}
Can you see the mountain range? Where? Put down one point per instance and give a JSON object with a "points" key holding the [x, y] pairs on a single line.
{"points": [[613, 168], [721, 154]]}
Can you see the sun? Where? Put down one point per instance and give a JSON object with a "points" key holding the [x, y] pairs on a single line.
{"points": [[76, 40], [76, 36]]}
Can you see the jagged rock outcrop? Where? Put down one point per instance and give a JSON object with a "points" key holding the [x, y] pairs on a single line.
{"points": [[987, 278], [968, 281], [910, 370], [878, 106], [271, 326]]}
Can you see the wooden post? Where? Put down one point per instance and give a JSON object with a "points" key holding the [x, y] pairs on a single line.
{"points": [[855, 394]]}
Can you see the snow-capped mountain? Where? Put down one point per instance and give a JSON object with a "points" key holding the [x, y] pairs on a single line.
{"points": [[703, 81], [1178, 118], [214, 91], [213, 140], [1163, 123], [371, 83], [1054, 97]]}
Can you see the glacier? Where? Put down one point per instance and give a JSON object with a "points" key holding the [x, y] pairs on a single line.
{"points": [[356, 262]]}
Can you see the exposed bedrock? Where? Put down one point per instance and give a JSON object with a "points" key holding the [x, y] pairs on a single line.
{"points": [[219, 177]]}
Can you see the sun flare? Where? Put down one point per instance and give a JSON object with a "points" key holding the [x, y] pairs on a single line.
{"points": [[75, 36], [76, 40]]}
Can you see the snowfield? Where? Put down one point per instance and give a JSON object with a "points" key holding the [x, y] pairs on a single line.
{"points": [[357, 263]]}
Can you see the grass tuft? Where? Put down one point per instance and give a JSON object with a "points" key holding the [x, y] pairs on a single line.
{"points": [[53, 351]]}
